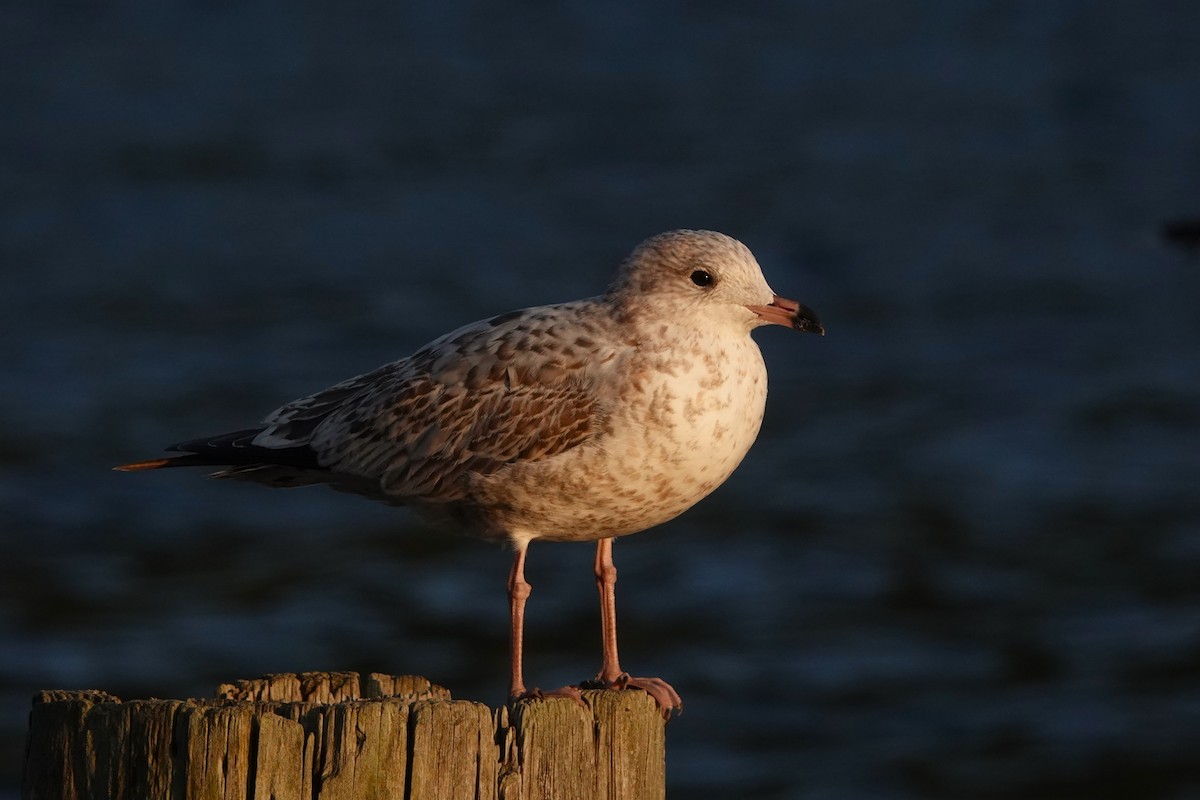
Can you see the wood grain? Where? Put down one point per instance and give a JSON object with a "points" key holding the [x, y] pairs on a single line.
{"points": [[339, 736]]}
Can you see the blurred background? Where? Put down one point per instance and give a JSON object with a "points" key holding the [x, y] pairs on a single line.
{"points": [[963, 559]]}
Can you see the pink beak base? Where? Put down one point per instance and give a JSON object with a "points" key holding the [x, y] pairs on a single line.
{"points": [[790, 314]]}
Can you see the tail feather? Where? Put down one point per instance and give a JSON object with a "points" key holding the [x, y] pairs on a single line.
{"points": [[154, 463], [235, 449], [240, 459]]}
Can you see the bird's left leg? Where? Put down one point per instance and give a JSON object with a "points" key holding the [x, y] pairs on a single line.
{"points": [[518, 593], [611, 675]]}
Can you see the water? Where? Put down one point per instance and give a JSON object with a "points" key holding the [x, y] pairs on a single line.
{"points": [[962, 559]]}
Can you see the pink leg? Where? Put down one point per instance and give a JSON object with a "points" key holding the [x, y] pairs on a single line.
{"points": [[606, 581], [518, 593], [611, 675]]}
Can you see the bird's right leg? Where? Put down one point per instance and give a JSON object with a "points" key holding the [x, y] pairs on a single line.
{"points": [[611, 675]]}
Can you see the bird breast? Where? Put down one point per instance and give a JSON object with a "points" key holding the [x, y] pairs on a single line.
{"points": [[681, 420]]}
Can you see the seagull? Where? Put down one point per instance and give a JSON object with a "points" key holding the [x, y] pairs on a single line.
{"points": [[581, 421]]}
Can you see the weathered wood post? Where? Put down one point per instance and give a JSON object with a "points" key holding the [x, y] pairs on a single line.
{"points": [[336, 736]]}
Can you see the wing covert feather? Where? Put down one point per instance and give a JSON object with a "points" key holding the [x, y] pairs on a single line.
{"points": [[470, 403]]}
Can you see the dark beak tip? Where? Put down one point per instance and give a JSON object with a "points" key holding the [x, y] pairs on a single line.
{"points": [[807, 321]]}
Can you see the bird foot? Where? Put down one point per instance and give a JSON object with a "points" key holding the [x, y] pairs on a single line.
{"points": [[663, 693], [536, 694]]}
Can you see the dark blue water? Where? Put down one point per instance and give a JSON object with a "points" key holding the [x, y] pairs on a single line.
{"points": [[963, 559]]}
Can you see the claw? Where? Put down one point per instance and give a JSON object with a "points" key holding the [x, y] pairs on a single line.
{"points": [[537, 694], [664, 694]]}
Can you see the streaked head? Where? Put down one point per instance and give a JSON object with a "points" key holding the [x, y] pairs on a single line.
{"points": [[708, 276]]}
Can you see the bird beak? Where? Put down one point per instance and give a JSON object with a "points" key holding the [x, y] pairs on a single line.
{"points": [[790, 314]]}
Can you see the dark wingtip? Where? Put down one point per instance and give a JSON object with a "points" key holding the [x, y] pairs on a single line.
{"points": [[232, 449]]}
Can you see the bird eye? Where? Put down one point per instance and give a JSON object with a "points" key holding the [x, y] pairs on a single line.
{"points": [[702, 278]]}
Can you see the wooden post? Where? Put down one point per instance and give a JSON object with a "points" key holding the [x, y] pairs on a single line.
{"points": [[334, 736]]}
